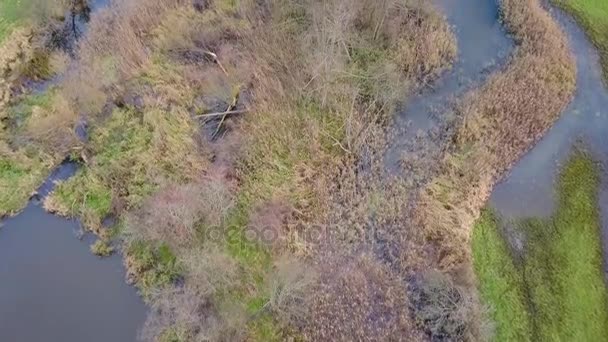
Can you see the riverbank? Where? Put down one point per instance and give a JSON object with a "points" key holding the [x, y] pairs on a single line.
{"points": [[35, 133], [546, 280]]}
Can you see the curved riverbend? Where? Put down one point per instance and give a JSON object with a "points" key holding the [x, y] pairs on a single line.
{"points": [[529, 190], [483, 47], [54, 289]]}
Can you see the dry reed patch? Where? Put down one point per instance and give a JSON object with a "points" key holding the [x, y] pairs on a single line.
{"points": [[358, 298]]}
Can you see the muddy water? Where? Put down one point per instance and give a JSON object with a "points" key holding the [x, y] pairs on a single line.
{"points": [[483, 47], [529, 190], [53, 289]]}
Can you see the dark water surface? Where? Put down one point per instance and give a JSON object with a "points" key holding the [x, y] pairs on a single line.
{"points": [[53, 289], [483, 47]]}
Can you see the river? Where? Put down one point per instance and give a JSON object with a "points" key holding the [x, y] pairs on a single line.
{"points": [[529, 189]]}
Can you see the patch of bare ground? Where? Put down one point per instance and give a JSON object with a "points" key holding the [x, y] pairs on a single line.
{"points": [[496, 125]]}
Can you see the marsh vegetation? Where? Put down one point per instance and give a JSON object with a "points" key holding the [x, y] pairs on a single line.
{"points": [[232, 150]]}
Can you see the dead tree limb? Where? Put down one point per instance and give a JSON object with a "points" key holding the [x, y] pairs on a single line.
{"points": [[230, 112], [216, 60]]}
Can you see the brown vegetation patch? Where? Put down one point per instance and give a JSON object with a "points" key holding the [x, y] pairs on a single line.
{"points": [[357, 298], [268, 221]]}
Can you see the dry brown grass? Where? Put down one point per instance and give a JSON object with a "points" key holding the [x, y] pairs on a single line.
{"points": [[14, 53], [52, 129]]}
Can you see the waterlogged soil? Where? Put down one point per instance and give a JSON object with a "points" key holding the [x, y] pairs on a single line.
{"points": [[529, 189], [483, 47]]}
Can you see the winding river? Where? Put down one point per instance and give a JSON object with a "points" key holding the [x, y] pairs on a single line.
{"points": [[483, 47], [529, 189]]}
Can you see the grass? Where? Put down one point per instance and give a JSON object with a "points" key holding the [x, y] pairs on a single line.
{"points": [[131, 153], [155, 266], [10, 14], [593, 16], [556, 290], [22, 166], [500, 282], [19, 177]]}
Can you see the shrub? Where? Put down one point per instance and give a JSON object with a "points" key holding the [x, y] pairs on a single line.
{"points": [[102, 248], [290, 283], [209, 271], [444, 310], [179, 314], [174, 214]]}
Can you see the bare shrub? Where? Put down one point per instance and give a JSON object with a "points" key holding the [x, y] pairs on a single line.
{"points": [[268, 222], [175, 213], [289, 285], [209, 270], [114, 49], [179, 314], [444, 310]]}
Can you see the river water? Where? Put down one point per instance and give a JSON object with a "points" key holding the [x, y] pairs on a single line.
{"points": [[529, 189], [52, 288]]}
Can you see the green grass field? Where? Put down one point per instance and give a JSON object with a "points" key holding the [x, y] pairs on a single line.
{"points": [[554, 290], [593, 16]]}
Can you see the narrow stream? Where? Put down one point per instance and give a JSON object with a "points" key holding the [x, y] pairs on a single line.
{"points": [[483, 47], [529, 190], [52, 288]]}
